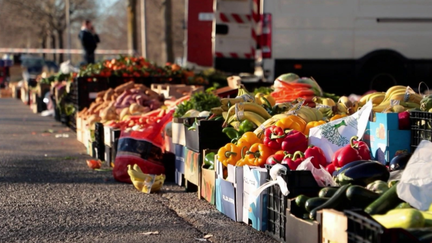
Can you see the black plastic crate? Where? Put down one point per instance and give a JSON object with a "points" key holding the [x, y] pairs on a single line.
{"points": [[167, 80], [99, 140], [116, 137], [207, 135], [364, 229], [84, 90], [421, 127], [298, 182], [115, 81]]}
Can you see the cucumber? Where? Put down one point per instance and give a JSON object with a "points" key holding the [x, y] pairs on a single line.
{"points": [[403, 205], [327, 191], [428, 218], [360, 196], [337, 201], [387, 201], [301, 200], [314, 202]]}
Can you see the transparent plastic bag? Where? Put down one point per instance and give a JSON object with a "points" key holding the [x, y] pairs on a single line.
{"points": [[321, 175]]}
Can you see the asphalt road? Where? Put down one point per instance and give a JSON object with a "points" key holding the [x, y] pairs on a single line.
{"points": [[48, 194]]}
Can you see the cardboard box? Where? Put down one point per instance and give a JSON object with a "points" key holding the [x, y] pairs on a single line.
{"points": [[334, 226], [386, 140], [107, 135], [80, 135], [254, 211], [79, 123], [229, 191], [301, 230], [176, 90], [108, 154], [193, 162], [110, 135], [208, 180], [179, 164], [178, 131], [169, 146]]}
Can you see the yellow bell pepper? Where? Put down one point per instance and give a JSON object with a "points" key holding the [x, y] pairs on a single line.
{"points": [[312, 124], [261, 99], [337, 116], [292, 122], [247, 139], [229, 154], [257, 154]]}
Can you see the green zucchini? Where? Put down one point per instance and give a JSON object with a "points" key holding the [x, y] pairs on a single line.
{"points": [[426, 238], [301, 200], [337, 201], [387, 201], [327, 191], [360, 196], [314, 202]]}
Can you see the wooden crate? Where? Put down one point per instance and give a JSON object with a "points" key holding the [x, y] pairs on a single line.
{"points": [[334, 226], [175, 90], [24, 96]]}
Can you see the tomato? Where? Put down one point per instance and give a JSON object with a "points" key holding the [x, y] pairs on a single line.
{"points": [[94, 164]]}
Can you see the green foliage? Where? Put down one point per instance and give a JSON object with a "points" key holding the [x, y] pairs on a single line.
{"points": [[200, 101]]}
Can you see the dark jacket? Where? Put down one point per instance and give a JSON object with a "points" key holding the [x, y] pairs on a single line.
{"points": [[88, 41]]}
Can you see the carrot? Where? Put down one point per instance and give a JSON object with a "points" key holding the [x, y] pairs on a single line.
{"points": [[306, 92]]}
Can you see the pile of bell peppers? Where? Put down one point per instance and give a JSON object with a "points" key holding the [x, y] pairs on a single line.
{"points": [[283, 143], [235, 134], [355, 150]]}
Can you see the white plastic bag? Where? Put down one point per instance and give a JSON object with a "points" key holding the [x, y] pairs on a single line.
{"points": [[275, 179], [336, 134], [415, 185], [322, 177]]}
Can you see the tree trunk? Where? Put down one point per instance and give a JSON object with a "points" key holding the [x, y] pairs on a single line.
{"points": [[167, 44], [132, 27], [60, 44], [53, 46], [42, 43]]}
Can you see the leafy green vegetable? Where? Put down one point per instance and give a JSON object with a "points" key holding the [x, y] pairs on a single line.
{"points": [[264, 90], [204, 101], [182, 108], [200, 101]]}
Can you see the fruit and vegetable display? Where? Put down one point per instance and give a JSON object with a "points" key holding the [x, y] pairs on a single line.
{"points": [[268, 128]]}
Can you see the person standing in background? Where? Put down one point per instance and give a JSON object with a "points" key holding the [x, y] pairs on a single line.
{"points": [[89, 40]]}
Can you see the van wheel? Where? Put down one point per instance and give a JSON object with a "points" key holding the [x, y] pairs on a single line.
{"points": [[382, 81], [382, 72]]}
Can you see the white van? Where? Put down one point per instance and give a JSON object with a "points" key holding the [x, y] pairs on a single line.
{"points": [[346, 45]]}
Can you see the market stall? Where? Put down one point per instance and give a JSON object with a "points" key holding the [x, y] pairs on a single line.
{"points": [[297, 162]]}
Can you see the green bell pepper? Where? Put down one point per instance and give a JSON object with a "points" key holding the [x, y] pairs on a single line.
{"points": [[209, 160], [246, 126], [230, 132]]}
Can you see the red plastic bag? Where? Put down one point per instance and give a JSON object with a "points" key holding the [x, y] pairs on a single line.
{"points": [[141, 147]]}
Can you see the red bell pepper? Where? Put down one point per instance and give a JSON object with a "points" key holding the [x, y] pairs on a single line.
{"points": [[331, 168], [318, 156], [294, 141], [363, 149], [276, 158], [404, 120], [295, 160], [273, 137], [346, 154], [287, 159]]}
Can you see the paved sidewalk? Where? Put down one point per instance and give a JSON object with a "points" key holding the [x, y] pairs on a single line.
{"points": [[48, 194]]}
